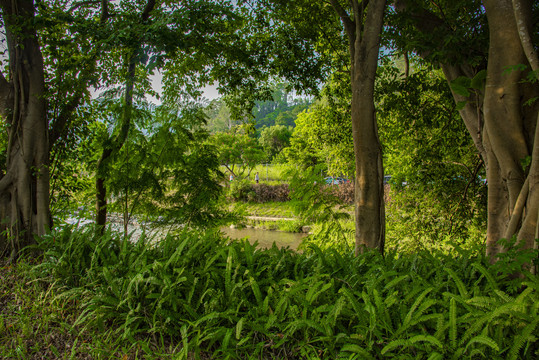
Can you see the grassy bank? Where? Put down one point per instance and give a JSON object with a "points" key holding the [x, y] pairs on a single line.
{"points": [[193, 296]]}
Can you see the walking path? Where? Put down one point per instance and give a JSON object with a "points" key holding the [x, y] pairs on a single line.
{"points": [[269, 218]]}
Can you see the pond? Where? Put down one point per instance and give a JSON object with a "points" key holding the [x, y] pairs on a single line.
{"points": [[266, 238]]}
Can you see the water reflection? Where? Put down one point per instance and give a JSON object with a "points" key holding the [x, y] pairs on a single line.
{"points": [[266, 238]]}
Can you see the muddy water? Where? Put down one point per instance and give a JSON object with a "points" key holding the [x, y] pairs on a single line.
{"points": [[266, 238]]}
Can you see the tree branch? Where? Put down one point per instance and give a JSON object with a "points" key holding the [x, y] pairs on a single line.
{"points": [[150, 5], [104, 10], [518, 209], [523, 24], [358, 16], [5, 181], [82, 3], [345, 18], [57, 130]]}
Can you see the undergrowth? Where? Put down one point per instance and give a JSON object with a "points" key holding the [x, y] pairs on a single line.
{"points": [[195, 296]]}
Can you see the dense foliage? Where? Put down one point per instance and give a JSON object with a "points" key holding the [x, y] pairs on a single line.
{"points": [[203, 298]]}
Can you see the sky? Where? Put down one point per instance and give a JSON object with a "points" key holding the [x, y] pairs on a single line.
{"points": [[210, 91]]}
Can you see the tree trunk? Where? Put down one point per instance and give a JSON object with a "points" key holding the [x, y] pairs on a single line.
{"points": [[509, 125], [364, 40], [24, 188]]}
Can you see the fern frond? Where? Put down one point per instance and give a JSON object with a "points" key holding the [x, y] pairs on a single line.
{"points": [[460, 285], [426, 338], [396, 281], [485, 340], [304, 323], [435, 356], [484, 271], [453, 323], [408, 317], [478, 325], [395, 344], [356, 349], [503, 296], [482, 301], [522, 339]]}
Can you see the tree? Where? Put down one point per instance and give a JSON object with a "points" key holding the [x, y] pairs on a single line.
{"points": [[166, 170], [362, 25], [323, 135], [274, 139], [193, 43], [238, 152], [493, 83], [24, 187]]}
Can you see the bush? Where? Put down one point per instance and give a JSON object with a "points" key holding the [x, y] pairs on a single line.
{"points": [[240, 190], [260, 193], [344, 192], [267, 193]]}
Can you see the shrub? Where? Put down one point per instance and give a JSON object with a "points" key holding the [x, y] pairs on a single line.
{"points": [[260, 193], [240, 190], [344, 192]]}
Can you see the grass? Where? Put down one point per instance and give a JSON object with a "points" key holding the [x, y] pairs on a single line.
{"points": [[269, 209], [271, 174], [194, 296], [291, 226]]}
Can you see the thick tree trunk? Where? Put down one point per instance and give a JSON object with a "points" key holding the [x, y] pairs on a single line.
{"points": [[530, 226], [24, 189], [508, 123], [364, 41]]}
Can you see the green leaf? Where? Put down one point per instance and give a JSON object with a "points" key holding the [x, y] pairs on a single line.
{"points": [[239, 327], [478, 81], [461, 85], [356, 349], [485, 340], [435, 356], [461, 105], [453, 323]]}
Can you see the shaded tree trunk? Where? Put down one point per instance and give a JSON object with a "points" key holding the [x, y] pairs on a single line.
{"points": [[363, 26], [507, 124], [24, 187]]}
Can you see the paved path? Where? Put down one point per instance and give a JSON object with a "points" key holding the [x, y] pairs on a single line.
{"points": [[269, 218]]}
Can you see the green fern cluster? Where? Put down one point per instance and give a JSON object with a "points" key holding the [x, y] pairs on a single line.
{"points": [[234, 300]]}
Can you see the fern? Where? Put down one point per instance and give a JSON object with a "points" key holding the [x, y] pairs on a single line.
{"points": [[395, 344], [453, 323], [356, 349], [460, 285], [414, 339], [414, 306], [490, 279], [523, 338], [483, 339], [435, 356]]}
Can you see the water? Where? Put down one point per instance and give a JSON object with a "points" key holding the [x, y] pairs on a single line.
{"points": [[266, 238]]}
